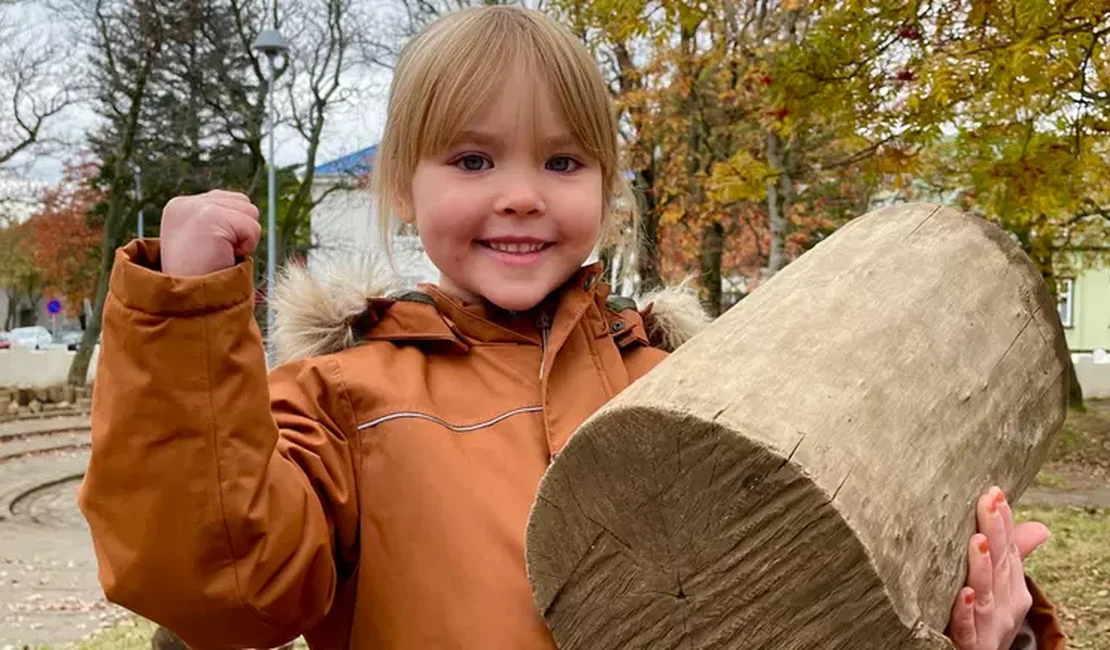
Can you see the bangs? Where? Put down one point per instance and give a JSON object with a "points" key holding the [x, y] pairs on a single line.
{"points": [[466, 72], [458, 65]]}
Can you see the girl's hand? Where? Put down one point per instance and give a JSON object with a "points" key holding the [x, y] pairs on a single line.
{"points": [[204, 233], [990, 609]]}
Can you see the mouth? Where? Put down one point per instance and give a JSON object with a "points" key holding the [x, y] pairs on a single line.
{"points": [[516, 253], [521, 247]]}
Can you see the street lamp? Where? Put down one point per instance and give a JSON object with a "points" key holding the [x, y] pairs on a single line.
{"points": [[271, 44], [139, 199]]}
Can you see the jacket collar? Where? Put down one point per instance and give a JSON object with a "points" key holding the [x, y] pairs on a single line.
{"points": [[433, 315], [343, 303]]}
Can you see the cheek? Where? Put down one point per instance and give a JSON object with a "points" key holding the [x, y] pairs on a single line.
{"points": [[587, 208]]}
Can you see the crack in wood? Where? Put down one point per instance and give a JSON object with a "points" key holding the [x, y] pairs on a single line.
{"points": [[792, 452], [842, 482], [1028, 322], [923, 222]]}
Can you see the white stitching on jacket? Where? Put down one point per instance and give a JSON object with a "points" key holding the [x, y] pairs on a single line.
{"points": [[453, 427]]}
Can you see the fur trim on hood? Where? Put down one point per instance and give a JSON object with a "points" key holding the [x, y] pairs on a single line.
{"points": [[672, 315], [314, 314]]}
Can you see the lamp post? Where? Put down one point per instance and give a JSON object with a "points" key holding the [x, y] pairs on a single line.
{"points": [[139, 199], [271, 44]]}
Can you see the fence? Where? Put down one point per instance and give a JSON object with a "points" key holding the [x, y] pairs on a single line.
{"points": [[1093, 371], [20, 366], [40, 368]]}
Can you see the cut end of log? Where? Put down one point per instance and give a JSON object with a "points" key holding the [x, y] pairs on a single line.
{"points": [[657, 531]]}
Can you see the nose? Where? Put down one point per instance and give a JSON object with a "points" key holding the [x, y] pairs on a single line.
{"points": [[520, 197]]}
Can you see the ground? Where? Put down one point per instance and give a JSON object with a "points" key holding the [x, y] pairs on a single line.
{"points": [[1072, 497], [50, 598]]}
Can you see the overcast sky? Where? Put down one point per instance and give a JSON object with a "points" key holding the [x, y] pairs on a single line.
{"points": [[350, 128]]}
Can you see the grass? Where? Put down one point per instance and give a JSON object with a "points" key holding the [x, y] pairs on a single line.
{"points": [[1052, 480], [1073, 569], [1083, 445]]}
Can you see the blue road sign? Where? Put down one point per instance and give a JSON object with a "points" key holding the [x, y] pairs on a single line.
{"points": [[54, 306]]}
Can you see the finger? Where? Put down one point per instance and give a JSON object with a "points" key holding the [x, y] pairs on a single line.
{"points": [[227, 194], [991, 524], [247, 209], [1029, 536], [1007, 520], [962, 625], [246, 233], [980, 572]]}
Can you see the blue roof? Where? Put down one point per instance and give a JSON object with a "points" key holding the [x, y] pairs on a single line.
{"points": [[357, 163]]}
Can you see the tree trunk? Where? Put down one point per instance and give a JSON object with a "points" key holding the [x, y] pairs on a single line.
{"points": [[803, 473], [778, 204], [647, 257], [709, 261], [114, 223], [1075, 390], [116, 216]]}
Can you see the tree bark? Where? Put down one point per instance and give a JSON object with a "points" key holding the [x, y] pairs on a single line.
{"points": [[1075, 390], [778, 202], [711, 253], [647, 257], [803, 473]]}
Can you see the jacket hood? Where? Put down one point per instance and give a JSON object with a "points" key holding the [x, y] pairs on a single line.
{"points": [[317, 313]]}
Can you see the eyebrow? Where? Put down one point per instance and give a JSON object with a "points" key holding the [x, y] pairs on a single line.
{"points": [[482, 138]]}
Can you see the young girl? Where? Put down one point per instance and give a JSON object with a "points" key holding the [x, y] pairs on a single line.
{"points": [[373, 491]]}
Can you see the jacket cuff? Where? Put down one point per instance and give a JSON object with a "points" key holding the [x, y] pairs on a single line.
{"points": [[138, 282], [1026, 638], [1042, 621]]}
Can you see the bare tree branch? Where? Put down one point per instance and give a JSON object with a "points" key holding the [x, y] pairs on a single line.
{"points": [[34, 89]]}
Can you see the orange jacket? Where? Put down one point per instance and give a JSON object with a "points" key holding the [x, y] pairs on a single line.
{"points": [[373, 494]]}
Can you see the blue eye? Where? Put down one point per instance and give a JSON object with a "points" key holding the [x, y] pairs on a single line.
{"points": [[473, 162], [562, 164]]}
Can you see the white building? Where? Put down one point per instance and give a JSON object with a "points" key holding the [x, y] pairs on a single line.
{"points": [[345, 223]]}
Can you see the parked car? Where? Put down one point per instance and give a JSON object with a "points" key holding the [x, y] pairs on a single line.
{"points": [[69, 338], [35, 337], [4, 342]]}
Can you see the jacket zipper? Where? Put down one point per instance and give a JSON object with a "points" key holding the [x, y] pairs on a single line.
{"points": [[544, 323]]}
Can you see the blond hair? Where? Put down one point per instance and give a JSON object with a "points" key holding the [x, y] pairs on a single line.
{"points": [[452, 69]]}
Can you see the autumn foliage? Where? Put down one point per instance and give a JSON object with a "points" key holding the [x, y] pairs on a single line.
{"points": [[67, 239], [755, 129]]}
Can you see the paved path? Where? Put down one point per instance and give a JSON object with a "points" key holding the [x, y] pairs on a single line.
{"points": [[1088, 497], [49, 593]]}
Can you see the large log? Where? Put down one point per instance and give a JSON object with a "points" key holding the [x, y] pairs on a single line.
{"points": [[803, 473]]}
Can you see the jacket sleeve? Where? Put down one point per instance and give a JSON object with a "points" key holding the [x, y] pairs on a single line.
{"points": [[1042, 626], [220, 507]]}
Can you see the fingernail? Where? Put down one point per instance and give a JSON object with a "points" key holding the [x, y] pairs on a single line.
{"points": [[969, 597], [984, 546]]}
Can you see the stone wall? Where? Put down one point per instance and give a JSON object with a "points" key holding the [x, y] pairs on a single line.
{"points": [[15, 402]]}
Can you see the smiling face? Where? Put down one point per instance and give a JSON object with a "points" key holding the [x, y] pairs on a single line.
{"points": [[513, 207], [500, 144]]}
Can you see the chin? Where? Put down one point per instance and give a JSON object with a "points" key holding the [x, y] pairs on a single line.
{"points": [[517, 299]]}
